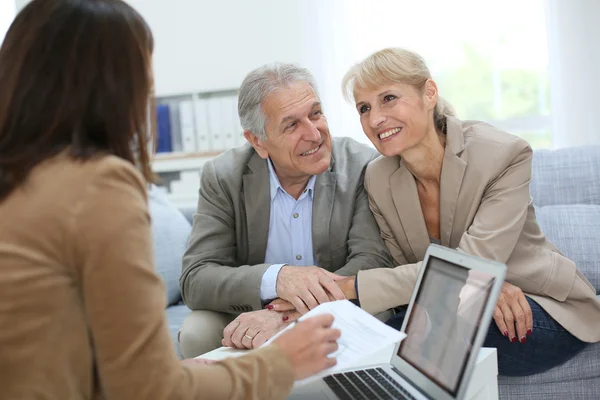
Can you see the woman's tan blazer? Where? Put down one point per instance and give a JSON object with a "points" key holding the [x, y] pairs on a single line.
{"points": [[485, 210]]}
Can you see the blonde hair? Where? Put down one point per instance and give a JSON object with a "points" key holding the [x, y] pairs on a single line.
{"points": [[394, 65]]}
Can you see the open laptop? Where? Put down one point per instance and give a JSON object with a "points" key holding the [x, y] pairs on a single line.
{"points": [[446, 323]]}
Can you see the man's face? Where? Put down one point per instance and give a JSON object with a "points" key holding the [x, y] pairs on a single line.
{"points": [[298, 139]]}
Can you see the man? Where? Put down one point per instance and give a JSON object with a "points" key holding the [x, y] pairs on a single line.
{"points": [[270, 212]]}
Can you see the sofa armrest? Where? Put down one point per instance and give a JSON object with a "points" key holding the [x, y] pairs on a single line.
{"points": [[188, 213]]}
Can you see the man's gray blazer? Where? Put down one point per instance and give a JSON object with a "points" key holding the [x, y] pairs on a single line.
{"points": [[225, 259]]}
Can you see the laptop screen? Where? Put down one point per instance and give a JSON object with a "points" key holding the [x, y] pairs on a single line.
{"points": [[443, 322]]}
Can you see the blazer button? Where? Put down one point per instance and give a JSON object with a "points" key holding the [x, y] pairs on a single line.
{"points": [[298, 257]]}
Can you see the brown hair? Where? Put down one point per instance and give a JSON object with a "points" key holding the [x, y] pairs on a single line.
{"points": [[75, 73]]}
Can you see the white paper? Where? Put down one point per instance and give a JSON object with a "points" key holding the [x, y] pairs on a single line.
{"points": [[362, 334]]}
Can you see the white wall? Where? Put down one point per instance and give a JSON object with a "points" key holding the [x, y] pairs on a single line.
{"points": [[7, 14], [206, 45], [573, 31], [21, 3]]}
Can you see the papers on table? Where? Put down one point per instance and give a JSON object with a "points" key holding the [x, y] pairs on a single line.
{"points": [[361, 333]]}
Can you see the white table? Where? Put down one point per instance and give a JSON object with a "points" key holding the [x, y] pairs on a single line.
{"points": [[483, 386]]}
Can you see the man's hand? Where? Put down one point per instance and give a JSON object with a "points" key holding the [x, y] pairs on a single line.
{"points": [[252, 329], [307, 287]]}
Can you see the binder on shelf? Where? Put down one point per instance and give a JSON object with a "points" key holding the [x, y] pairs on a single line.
{"points": [[203, 139], [204, 122], [227, 123], [186, 121], [163, 117], [175, 127], [238, 131], [215, 124]]}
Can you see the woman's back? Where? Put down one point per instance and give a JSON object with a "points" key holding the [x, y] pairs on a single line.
{"points": [[45, 342], [79, 296], [81, 307]]}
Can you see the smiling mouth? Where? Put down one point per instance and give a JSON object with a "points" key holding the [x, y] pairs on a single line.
{"points": [[389, 133], [312, 151]]}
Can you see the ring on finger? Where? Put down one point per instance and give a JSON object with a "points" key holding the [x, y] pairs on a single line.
{"points": [[249, 339]]}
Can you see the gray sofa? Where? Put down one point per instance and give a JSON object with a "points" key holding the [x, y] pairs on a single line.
{"points": [[566, 193], [171, 231]]}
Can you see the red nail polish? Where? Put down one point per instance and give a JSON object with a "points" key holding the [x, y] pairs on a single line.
{"points": [[513, 340], [285, 318], [529, 332], [269, 307], [523, 340], [505, 333]]}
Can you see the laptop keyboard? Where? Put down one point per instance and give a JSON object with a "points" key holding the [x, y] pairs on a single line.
{"points": [[372, 383]]}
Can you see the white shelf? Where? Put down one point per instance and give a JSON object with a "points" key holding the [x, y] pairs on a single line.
{"points": [[173, 162]]}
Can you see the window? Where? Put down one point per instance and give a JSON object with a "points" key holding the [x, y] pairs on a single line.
{"points": [[489, 58]]}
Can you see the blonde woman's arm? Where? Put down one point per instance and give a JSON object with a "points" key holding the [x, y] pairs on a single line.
{"points": [[384, 288]]}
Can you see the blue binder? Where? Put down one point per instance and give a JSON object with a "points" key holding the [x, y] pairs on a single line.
{"points": [[163, 117]]}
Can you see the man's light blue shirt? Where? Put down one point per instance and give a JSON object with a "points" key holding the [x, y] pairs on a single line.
{"points": [[290, 232]]}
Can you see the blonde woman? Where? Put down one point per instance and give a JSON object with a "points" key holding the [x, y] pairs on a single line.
{"points": [[464, 185]]}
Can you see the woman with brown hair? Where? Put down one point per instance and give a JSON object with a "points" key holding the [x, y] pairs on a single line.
{"points": [[81, 308]]}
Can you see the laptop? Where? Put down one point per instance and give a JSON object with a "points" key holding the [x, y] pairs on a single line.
{"points": [[446, 323]]}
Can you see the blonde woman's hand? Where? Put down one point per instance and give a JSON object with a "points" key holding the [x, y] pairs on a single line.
{"points": [[280, 305], [513, 314], [309, 344]]}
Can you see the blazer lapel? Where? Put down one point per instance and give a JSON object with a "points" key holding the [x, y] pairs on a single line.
{"points": [[257, 200], [323, 200], [406, 201], [453, 171]]}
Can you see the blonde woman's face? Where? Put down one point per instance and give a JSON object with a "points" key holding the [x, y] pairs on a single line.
{"points": [[395, 117]]}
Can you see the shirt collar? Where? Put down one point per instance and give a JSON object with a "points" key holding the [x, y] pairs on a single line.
{"points": [[276, 185]]}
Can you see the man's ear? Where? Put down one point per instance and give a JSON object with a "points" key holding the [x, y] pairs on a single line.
{"points": [[431, 94], [257, 144]]}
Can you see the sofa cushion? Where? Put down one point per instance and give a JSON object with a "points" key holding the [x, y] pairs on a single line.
{"points": [[188, 213], [574, 230], [578, 378], [566, 176], [175, 316], [171, 231]]}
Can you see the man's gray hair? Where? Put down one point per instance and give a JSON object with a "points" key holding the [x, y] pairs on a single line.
{"points": [[258, 84]]}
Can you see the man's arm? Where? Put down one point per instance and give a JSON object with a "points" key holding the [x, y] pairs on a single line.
{"points": [[366, 249], [208, 280]]}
